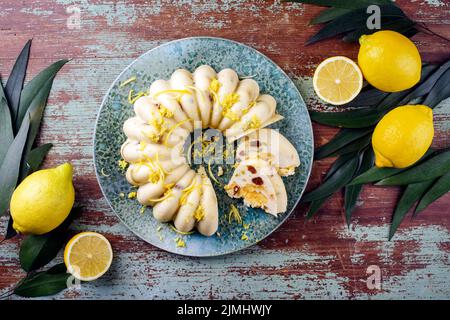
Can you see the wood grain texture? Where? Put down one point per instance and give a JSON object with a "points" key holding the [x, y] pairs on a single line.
{"points": [[319, 259]]}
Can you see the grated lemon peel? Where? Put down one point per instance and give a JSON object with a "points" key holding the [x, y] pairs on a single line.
{"points": [[122, 164], [199, 213], [172, 129], [178, 231], [167, 194], [179, 92], [180, 243], [211, 174], [133, 97], [128, 81], [254, 123], [234, 214], [102, 171]]}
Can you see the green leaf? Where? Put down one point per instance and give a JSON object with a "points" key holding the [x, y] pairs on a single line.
{"points": [[412, 193], [38, 250], [356, 146], [433, 167], [36, 110], [6, 129], [10, 231], [355, 19], [9, 170], [45, 283], [441, 187], [440, 91], [315, 206], [15, 81], [339, 163], [400, 98], [341, 139], [57, 268], [349, 4], [36, 157], [359, 118], [352, 192], [328, 15], [33, 88], [367, 98], [392, 100], [336, 181], [376, 174], [430, 74], [401, 25]]}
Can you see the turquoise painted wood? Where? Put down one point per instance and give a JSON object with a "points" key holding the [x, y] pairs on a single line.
{"points": [[320, 259]]}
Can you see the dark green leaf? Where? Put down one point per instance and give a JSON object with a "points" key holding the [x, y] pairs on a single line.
{"points": [[9, 170], [341, 139], [315, 206], [6, 129], [412, 193], [356, 146], [328, 15], [359, 118], [36, 157], [355, 19], [42, 284], [349, 4], [38, 250], [400, 98], [392, 100], [10, 232], [431, 168], [33, 88], [441, 187], [440, 91], [36, 110], [376, 174], [367, 98], [57, 268], [336, 181], [338, 163], [430, 74], [15, 81], [352, 192], [401, 25]]}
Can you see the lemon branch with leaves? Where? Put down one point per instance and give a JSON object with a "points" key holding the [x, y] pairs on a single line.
{"points": [[423, 182], [21, 111]]}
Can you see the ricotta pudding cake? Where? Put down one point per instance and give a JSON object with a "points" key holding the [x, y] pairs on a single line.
{"points": [[166, 116]]}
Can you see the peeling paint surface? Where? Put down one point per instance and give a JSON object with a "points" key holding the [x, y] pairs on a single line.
{"points": [[321, 259]]}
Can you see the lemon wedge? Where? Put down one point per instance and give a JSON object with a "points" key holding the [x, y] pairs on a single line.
{"points": [[337, 80], [88, 255]]}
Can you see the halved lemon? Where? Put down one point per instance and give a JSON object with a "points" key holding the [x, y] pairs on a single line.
{"points": [[88, 255], [337, 80]]}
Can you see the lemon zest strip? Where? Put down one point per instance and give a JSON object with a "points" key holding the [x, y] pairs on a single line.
{"points": [[172, 129], [178, 231], [212, 174], [123, 84]]}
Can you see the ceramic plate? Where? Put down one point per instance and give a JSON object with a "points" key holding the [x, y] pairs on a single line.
{"points": [[159, 63]]}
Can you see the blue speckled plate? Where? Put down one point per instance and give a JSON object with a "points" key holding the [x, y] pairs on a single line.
{"points": [[160, 62]]}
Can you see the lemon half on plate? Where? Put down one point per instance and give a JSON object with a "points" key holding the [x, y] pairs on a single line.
{"points": [[88, 255], [337, 80]]}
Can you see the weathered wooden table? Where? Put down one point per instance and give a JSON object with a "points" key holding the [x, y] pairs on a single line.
{"points": [[319, 259]]}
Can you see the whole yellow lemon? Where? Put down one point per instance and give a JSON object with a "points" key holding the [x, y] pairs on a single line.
{"points": [[389, 61], [43, 200], [403, 136]]}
